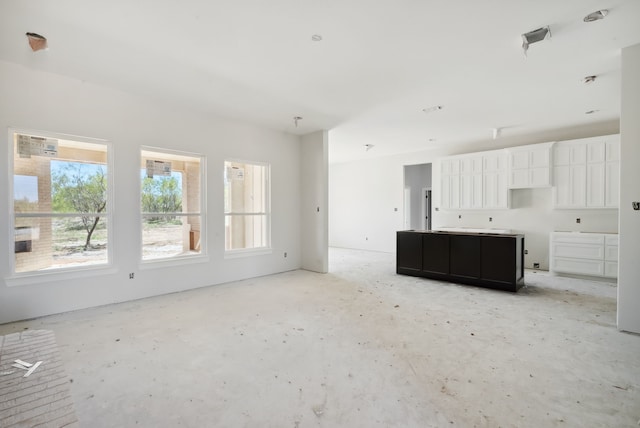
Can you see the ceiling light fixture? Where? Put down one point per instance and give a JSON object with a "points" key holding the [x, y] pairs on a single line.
{"points": [[432, 109], [596, 16], [535, 36], [296, 119], [316, 38], [36, 41], [589, 79]]}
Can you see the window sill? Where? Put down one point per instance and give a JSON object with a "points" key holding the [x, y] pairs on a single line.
{"points": [[173, 261], [56, 275], [234, 254]]}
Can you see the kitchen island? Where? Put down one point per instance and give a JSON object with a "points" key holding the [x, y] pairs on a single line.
{"points": [[492, 260]]}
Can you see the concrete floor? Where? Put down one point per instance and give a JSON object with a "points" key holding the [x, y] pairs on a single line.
{"points": [[359, 347]]}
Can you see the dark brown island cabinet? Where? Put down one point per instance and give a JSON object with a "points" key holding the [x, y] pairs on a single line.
{"points": [[491, 260]]}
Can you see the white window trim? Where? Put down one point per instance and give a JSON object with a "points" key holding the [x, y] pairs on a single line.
{"points": [[39, 276], [203, 257], [250, 252]]}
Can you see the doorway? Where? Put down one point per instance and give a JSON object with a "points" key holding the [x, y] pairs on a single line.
{"points": [[417, 197]]}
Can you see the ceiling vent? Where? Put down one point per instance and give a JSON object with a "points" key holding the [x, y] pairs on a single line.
{"points": [[535, 36]]}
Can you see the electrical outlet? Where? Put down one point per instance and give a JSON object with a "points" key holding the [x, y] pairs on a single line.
{"points": [[285, 254], [536, 265], [490, 218], [131, 275], [526, 251], [459, 215], [578, 220]]}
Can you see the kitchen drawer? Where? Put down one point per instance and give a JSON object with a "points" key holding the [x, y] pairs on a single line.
{"points": [[577, 251], [578, 238], [577, 266], [611, 253], [611, 269]]}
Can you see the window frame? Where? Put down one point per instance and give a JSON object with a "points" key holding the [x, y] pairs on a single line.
{"points": [[180, 259], [60, 273], [247, 252]]}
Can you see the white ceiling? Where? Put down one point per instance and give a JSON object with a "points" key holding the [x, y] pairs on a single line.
{"points": [[380, 62]]}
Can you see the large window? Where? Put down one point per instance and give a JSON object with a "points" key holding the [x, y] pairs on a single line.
{"points": [[246, 206], [61, 202], [171, 198]]}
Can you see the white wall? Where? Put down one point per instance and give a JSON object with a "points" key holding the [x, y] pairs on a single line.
{"points": [[629, 254], [363, 198], [363, 195], [315, 200], [48, 102]]}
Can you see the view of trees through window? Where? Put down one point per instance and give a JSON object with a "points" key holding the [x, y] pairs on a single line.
{"points": [[80, 188], [170, 202], [60, 203]]}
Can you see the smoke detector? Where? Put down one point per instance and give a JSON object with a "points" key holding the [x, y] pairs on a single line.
{"points": [[596, 16]]}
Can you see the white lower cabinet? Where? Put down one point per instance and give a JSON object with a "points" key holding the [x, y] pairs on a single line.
{"points": [[592, 254]]}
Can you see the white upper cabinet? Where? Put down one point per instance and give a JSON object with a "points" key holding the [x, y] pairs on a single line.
{"points": [[495, 190], [530, 166], [474, 181], [586, 173]]}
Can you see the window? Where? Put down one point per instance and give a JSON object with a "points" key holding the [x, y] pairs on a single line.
{"points": [[171, 198], [60, 202], [246, 206]]}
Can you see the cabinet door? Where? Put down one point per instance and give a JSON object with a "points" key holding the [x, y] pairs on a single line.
{"points": [[409, 251], [562, 154], [466, 191], [519, 159], [502, 188], [578, 185], [612, 151], [519, 178], [595, 184], [476, 183], [435, 253], [445, 192], [465, 256], [499, 259], [454, 191], [562, 186], [539, 158], [596, 152], [539, 177], [612, 184], [578, 154], [490, 189]]}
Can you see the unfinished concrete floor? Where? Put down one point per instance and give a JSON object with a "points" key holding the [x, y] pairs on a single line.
{"points": [[359, 347]]}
